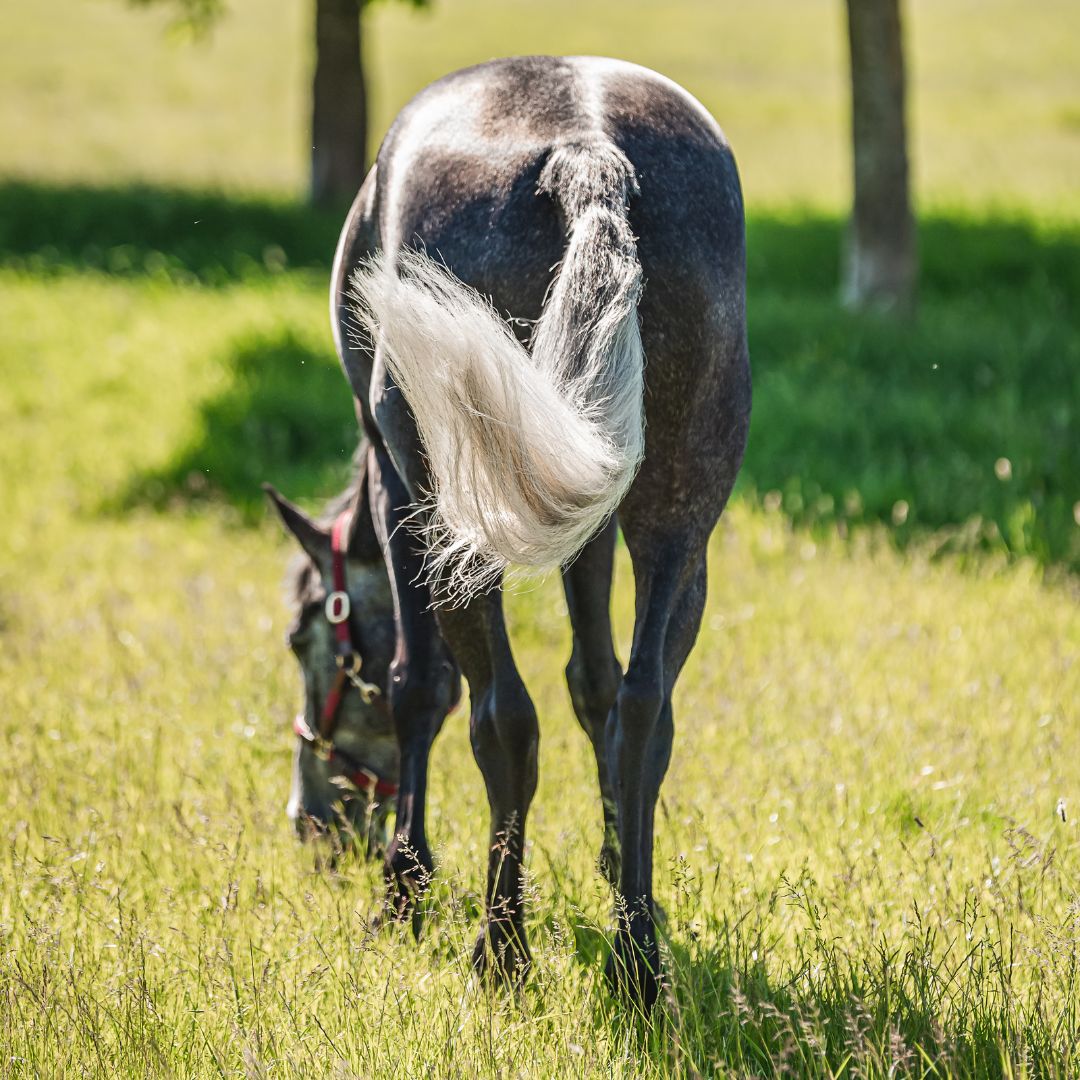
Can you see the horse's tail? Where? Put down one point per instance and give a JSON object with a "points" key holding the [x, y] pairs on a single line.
{"points": [[529, 456]]}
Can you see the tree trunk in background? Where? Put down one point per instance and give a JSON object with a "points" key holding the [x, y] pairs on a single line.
{"points": [[881, 264], [339, 104]]}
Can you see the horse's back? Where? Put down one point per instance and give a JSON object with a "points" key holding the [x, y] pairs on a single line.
{"points": [[459, 172]]}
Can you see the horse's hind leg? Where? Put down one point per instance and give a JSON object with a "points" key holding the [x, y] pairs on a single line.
{"points": [[593, 673], [669, 598], [505, 738]]}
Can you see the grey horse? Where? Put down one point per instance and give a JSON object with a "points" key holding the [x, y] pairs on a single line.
{"points": [[539, 301]]}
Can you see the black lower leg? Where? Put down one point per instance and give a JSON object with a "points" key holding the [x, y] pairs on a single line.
{"points": [[593, 673], [669, 603], [422, 685], [634, 965], [505, 737]]}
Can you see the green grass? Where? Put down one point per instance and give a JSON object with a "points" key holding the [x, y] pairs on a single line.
{"points": [[867, 843], [861, 850]]}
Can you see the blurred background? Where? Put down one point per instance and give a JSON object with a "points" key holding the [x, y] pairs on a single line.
{"points": [[100, 90]]}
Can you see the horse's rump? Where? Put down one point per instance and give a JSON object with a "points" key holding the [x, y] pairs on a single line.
{"points": [[530, 451], [529, 454]]}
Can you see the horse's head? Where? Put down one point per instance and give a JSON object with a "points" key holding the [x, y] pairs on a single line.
{"points": [[345, 766]]}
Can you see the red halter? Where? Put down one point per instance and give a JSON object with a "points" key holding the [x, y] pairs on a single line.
{"points": [[349, 662]]}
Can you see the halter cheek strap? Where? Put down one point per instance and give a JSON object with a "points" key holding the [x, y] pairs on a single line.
{"points": [[349, 663], [338, 606]]}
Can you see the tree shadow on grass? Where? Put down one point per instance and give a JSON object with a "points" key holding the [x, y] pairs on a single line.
{"points": [[798, 252], [961, 428], [140, 230], [285, 416]]}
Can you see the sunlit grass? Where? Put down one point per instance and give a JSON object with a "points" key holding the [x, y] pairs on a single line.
{"points": [[867, 846], [867, 842], [861, 847]]}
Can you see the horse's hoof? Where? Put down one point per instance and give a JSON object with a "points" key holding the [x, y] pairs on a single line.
{"points": [[633, 968], [501, 954]]}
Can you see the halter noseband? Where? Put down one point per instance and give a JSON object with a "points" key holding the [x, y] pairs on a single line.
{"points": [[349, 663]]}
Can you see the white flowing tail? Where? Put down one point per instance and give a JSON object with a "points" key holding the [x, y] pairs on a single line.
{"points": [[529, 455]]}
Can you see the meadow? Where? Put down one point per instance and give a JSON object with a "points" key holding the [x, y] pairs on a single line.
{"points": [[867, 847]]}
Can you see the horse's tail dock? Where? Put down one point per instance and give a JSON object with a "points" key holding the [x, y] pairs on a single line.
{"points": [[529, 456]]}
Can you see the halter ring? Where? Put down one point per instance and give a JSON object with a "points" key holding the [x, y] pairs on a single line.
{"points": [[337, 607], [349, 663]]}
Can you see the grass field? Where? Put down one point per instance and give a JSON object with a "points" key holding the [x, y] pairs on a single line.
{"points": [[867, 846]]}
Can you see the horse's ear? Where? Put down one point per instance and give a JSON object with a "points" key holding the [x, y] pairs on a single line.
{"points": [[314, 540]]}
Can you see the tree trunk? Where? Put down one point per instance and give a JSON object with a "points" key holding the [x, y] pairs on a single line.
{"points": [[880, 260], [339, 104]]}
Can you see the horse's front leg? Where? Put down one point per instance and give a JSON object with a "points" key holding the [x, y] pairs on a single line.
{"points": [[422, 686], [505, 738]]}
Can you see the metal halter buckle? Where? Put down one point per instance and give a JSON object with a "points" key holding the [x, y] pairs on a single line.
{"points": [[350, 662], [337, 607], [368, 691]]}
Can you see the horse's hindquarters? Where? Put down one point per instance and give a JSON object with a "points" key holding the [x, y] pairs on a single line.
{"points": [[461, 177]]}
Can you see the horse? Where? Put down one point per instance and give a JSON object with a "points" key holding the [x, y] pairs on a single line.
{"points": [[538, 299]]}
